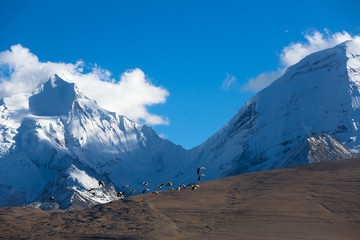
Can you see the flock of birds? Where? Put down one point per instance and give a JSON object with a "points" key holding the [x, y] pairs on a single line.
{"points": [[121, 194]]}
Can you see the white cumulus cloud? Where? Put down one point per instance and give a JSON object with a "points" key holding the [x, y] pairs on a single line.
{"points": [[130, 95], [292, 54]]}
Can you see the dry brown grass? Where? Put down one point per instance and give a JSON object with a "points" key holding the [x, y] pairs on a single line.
{"points": [[320, 201]]}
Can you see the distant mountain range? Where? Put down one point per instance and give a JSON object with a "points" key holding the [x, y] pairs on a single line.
{"points": [[58, 143]]}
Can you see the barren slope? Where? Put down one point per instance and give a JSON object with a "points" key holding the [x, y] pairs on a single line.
{"points": [[319, 201]]}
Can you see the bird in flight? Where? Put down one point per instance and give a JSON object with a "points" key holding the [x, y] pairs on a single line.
{"points": [[200, 168]]}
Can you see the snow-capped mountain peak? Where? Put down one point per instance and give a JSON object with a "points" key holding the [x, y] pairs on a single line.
{"points": [[61, 130], [318, 94], [54, 98]]}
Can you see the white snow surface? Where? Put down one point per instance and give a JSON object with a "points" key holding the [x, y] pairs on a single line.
{"points": [[62, 143], [57, 142], [320, 94]]}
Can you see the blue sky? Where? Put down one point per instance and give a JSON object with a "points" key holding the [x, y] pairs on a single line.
{"points": [[186, 47]]}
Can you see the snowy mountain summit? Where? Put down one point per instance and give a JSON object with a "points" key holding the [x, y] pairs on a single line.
{"points": [[319, 94], [56, 142]]}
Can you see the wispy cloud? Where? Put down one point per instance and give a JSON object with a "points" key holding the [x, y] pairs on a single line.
{"points": [[163, 135], [262, 80], [130, 95], [229, 80], [292, 54]]}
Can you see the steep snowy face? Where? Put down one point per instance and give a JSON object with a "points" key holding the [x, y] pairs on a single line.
{"points": [[318, 94], [60, 117], [57, 142], [54, 98]]}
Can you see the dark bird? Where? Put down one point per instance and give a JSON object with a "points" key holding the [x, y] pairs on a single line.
{"points": [[145, 183], [168, 184], [146, 190], [52, 198], [91, 189], [90, 219], [201, 175], [155, 193], [160, 186], [132, 190], [195, 186], [125, 186], [120, 194], [101, 183], [198, 170]]}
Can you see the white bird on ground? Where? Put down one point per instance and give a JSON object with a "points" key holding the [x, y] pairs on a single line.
{"points": [[155, 193]]}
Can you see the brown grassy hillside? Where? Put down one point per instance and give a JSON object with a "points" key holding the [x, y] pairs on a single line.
{"points": [[320, 201]]}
